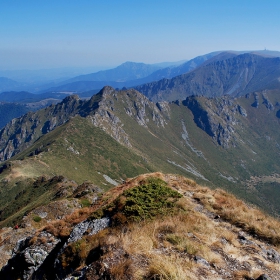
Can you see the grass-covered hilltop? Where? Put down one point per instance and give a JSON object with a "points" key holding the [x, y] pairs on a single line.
{"points": [[154, 226]]}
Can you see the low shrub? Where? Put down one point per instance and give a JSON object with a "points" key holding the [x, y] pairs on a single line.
{"points": [[37, 219], [85, 203], [152, 198]]}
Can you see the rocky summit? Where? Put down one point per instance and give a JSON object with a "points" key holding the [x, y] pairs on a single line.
{"points": [[154, 226]]}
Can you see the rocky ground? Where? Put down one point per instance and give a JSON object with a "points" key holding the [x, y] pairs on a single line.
{"points": [[200, 242]]}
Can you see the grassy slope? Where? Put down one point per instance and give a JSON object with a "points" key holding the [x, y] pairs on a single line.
{"points": [[99, 154], [80, 151], [253, 155]]}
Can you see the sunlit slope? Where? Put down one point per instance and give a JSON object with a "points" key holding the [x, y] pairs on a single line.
{"points": [[221, 142], [80, 151]]}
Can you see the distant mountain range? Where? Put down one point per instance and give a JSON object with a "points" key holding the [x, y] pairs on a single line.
{"points": [[25, 97], [7, 84], [214, 74], [128, 74], [233, 75], [42, 80], [132, 74]]}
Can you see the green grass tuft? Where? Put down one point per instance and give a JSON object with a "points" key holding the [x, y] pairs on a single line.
{"points": [[37, 219], [85, 203]]}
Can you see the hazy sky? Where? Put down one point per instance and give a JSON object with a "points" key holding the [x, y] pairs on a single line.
{"points": [[47, 34]]}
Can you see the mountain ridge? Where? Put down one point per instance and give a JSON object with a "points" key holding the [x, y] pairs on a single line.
{"points": [[88, 82], [235, 76], [233, 147], [168, 72]]}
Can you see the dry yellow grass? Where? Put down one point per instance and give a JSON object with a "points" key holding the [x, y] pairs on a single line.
{"points": [[236, 212], [163, 241], [169, 268], [165, 247]]}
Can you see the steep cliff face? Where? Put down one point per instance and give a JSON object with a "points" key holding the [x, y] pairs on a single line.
{"points": [[217, 117]]}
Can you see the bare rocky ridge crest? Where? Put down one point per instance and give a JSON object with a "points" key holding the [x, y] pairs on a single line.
{"points": [[21, 133], [216, 116]]}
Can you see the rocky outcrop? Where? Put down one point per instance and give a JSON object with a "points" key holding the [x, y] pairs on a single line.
{"points": [[21, 133], [202, 242], [33, 256], [267, 102], [29, 255], [139, 107], [261, 98], [134, 104], [104, 116], [92, 227], [217, 117]]}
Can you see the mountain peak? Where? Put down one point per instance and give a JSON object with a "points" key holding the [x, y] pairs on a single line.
{"points": [[225, 74], [107, 90], [71, 98], [130, 63]]}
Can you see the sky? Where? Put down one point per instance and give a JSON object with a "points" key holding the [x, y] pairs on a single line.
{"points": [[106, 33]]}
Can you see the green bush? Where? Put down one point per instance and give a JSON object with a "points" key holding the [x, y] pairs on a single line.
{"points": [[148, 200], [37, 219], [85, 203]]}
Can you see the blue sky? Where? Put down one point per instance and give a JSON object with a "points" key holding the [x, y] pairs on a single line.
{"points": [[106, 33]]}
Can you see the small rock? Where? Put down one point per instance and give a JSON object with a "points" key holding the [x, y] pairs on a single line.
{"points": [[200, 260], [98, 225], [243, 240], [95, 226], [263, 277], [190, 234], [224, 241], [189, 194], [272, 255], [20, 245], [43, 215], [242, 111]]}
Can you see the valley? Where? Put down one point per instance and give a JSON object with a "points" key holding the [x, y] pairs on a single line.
{"points": [[221, 142]]}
